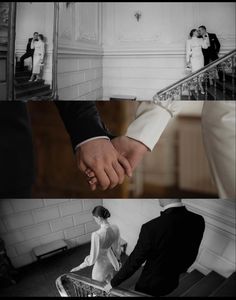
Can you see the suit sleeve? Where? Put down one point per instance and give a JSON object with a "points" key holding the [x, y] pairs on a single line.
{"points": [[135, 260], [151, 120], [217, 44], [81, 120]]}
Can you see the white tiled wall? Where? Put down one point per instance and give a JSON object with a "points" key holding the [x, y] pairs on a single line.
{"points": [[80, 78], [27, 223]]}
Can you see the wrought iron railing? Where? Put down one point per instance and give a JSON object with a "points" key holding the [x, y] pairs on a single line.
{"points": [[73, 285], [218, 69]]}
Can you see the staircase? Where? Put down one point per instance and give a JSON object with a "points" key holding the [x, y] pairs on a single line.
{"points": [[195, 284], [224, 89], [25, 90], [222, 73]]}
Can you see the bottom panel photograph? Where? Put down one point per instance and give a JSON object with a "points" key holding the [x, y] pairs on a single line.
{"points": [[117, 248]]}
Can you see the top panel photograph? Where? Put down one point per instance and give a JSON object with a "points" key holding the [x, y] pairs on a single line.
{"points": [[140, 51]]}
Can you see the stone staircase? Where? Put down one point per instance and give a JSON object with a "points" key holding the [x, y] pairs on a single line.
{"points": [[25, 90], [195, 284], [217, 92]]}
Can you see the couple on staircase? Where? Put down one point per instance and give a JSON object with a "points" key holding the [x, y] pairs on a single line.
{"points": [[201, 49], [168, 245]]}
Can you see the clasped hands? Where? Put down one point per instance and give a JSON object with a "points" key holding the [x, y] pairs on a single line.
{"points": [[105, 163]]}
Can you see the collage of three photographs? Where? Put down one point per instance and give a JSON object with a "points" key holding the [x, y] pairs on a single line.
{"points": [[117, 149]]}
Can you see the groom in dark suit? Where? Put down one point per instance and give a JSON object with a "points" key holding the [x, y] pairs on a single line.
{"points": [[89, 137], [29, 52], [168, 245], [211, 53]]}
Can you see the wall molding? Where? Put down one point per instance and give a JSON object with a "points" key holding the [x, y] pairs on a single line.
{"points": [[218, 216]]}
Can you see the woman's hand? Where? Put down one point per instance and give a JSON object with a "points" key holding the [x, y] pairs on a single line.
{"points": [[75, 269]]}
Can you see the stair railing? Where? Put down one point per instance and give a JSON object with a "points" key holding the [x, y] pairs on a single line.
{"points": [[73, 285], [224, 64]]}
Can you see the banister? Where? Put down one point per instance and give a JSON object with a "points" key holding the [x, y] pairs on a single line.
{"points": [[93, 287], [192, 76]]}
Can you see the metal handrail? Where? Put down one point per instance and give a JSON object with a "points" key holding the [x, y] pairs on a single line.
{"points": [[196, 74], [95, 287]]}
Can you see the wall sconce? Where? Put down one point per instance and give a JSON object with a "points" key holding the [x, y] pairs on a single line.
{"points": [[138, 15]]}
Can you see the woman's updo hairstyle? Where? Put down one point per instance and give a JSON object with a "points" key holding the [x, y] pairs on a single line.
{"points": [[41, 37], [192, 32], [100, 211]]}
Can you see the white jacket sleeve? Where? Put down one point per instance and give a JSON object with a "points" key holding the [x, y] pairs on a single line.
{"points": [[151, 120], [94, 251]]}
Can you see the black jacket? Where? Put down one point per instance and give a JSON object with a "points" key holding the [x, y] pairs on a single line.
{"points": [[28, 47], [81, 120], [211, 53], [169, 244]]}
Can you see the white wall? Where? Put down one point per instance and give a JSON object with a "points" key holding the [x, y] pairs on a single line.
{"points": [[80, 51], [31, 17], [27, 223], [217, 251], [143, 57]]}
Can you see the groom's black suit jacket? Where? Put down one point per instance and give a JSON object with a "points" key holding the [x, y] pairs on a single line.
{"points": [[169, 244], [211, 53], [81, 120]]}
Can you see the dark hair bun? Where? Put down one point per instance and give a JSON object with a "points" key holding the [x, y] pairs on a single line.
{"points": [[102, 212]]}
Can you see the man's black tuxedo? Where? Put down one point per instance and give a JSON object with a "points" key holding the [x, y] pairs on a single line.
{"points": [[28, 47], [169, 245], [29, 53], [81, 120], [211, 53]]}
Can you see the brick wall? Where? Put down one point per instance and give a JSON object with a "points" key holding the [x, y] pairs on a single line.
{"points": [[27, 223]]}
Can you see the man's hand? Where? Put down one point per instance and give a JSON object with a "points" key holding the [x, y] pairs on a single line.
{"points": [[107, 287], [129, 148], [103, 159]]}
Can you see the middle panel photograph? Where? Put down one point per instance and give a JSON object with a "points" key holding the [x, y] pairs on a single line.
{"points": [[122, 149]]}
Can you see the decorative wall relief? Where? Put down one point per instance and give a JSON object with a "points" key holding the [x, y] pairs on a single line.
{"points": [[66, 20], [87, 22], [4, 12]]}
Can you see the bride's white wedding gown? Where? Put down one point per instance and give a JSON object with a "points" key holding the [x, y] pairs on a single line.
{"points": [[104, 253], [194, 53]]}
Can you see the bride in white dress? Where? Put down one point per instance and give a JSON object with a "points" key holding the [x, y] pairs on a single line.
{"points": [[39, 51], [105, 248], [194, 55]]}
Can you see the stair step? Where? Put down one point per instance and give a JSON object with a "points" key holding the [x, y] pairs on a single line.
{"points": [[32, 90], [205, 286], [22, 85], [45, 95], [228, 76], [219, 94], [22, 73], [22, 79], [227, 288], [186, 283], [228, 87]]}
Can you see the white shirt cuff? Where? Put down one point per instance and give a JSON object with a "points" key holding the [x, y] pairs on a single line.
{"points": [[92, 139]]}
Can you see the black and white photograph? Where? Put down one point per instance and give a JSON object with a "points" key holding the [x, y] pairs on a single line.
{"points": [[115, 247], [117, 50]]}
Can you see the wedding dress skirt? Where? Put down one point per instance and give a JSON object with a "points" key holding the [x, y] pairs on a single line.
{"points": [[38, 56], [218, 128], [194, 53]]}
